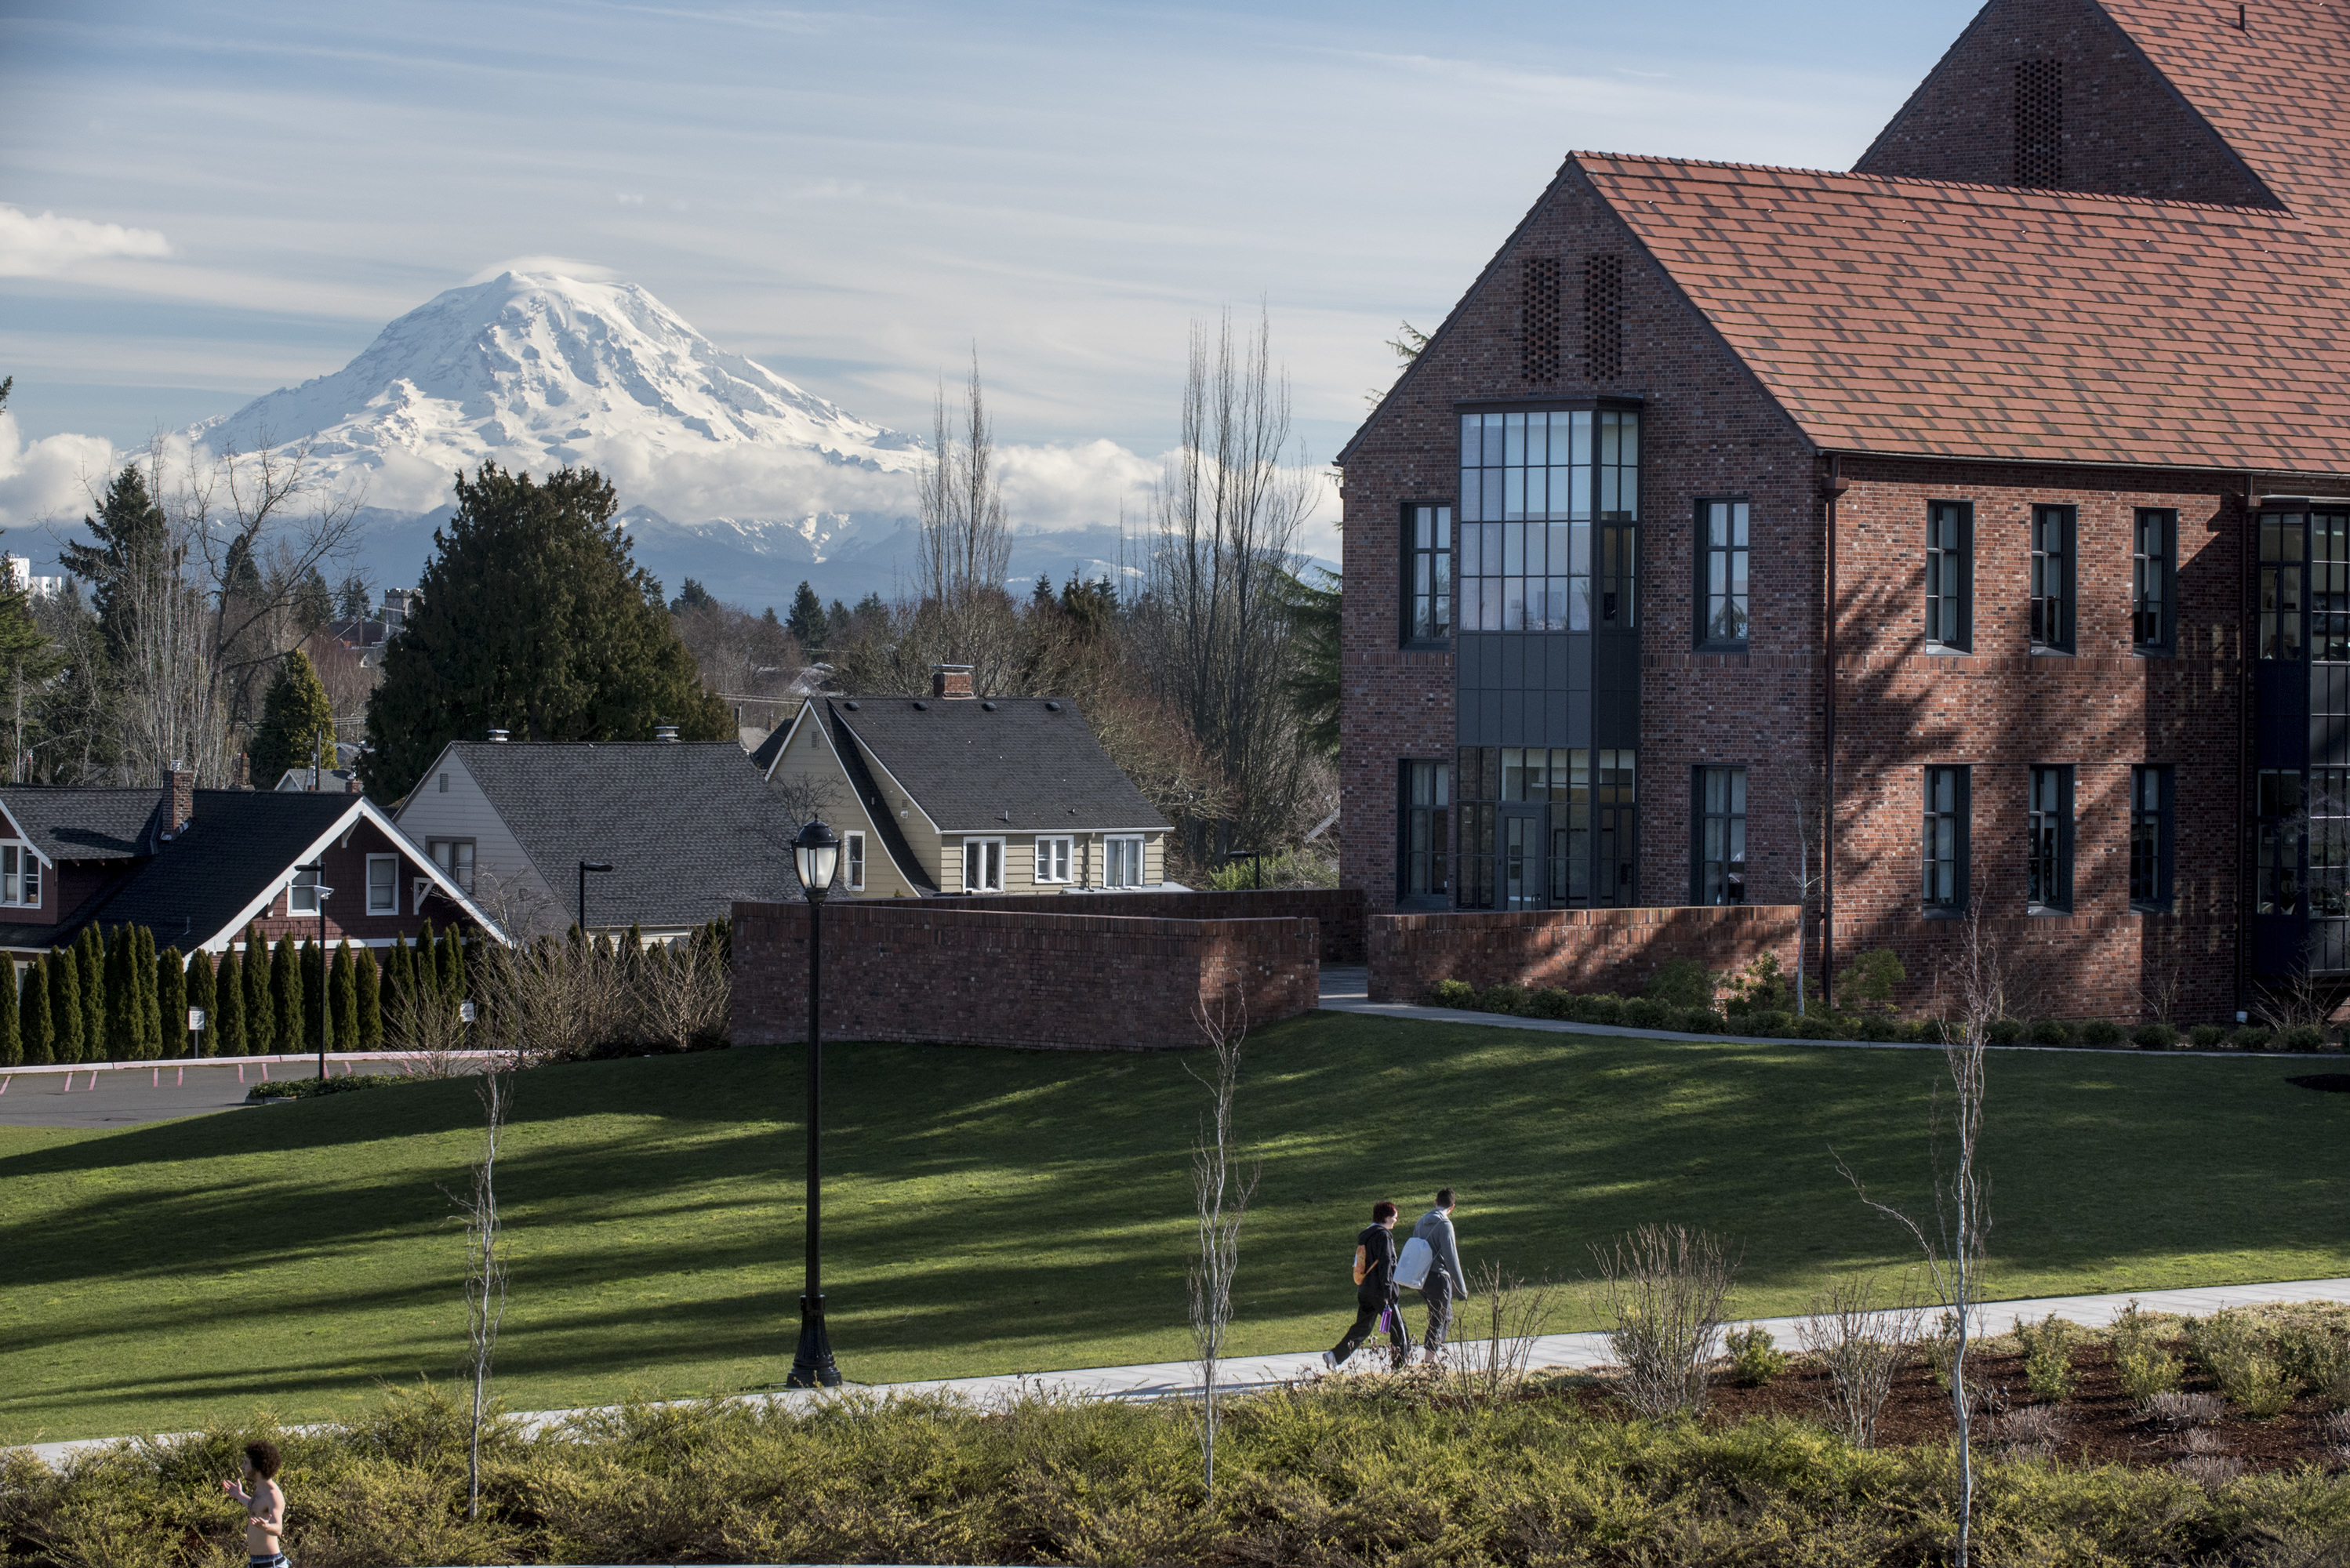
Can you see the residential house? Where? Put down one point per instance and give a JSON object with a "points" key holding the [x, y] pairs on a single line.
{"points": [[959, 794], [686, 828]]}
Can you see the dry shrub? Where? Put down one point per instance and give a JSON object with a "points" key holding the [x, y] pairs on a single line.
{"points": [[1864, 1346], [1514, 1314], [1663, 1287], [2176, 1412], [2210, 1469], [2034, 1431]]}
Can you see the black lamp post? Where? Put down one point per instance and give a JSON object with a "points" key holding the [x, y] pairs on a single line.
{"points": [[320, 892], [815, 854], [586, 866]]}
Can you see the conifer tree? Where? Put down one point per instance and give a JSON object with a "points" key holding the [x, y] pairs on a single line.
{"points": [[427, 962], [344, 995], [121, 994], [133, 543], [298, 723], [65, 1005], [89, 956], [454, 987], [806, 620], [203, 996], [229, 1036], [369, 990], [12, 1032], [172, 1003], [33, 1012], [399, 975], [285, 998], [261, 1033], [150, 1010]]}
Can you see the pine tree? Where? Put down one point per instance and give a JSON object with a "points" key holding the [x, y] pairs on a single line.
{"points": [[314, 994], [345, 993], [806, 619], [121, 998], [261, 1032], [455, 980], [172, 1003], [33, 1012], [399, 975], [151, 1001], [286, 997], [368, 986], [133, 546], [229, 1037], [203, 996], [536, 618], [12, 1032], [314, 602], [298, 723], [65, 1005], [89, 954]]}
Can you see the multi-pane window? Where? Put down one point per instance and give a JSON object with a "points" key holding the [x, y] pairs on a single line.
{"points": [[2052, 579], [2329, 586], [302, 897], [2154, 538], [2284, 823], [2329, 869], [1053, 857], [1427, 573], [1427, 829], [1548, 502], [383, 885], [1720, 836], [1949, 574], [1122, 863], [2149, 841], [2283, 542], [1946, 840], [455, 858], [20, 876], [1544, 827], [2048, 839], [982, 865], [852, 862], [1721, 569]]}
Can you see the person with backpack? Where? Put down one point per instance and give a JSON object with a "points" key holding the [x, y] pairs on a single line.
{"points": [[1443, 1282], [1375, 1290]]}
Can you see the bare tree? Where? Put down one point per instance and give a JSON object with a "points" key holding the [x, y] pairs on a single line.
{"points": [[966, 545], [486, 1267], [1221, 1197], [804, 796], [681, 992], [1805, 798]]}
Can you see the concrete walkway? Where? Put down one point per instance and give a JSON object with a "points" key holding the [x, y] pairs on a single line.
{"points": [[1181, 1379]]}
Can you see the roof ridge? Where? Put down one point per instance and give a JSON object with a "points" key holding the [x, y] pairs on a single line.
{"points": [[1907, 181]]}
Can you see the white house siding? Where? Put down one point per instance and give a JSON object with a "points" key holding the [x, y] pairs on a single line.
{"points": [[503, 873]]}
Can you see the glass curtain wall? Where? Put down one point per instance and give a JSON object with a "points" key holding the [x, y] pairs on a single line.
{"points": [[1546, 827], [1547, 505]]}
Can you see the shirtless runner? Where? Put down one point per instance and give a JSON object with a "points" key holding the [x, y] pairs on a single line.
{"points": [[265, 1505]]}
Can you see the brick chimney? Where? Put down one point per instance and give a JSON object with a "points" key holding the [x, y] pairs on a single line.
{"points": [[951, 682], [179, 798], [352, 786]]}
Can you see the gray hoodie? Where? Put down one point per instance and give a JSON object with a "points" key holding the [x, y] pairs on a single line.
{"points": [[1435, 1228]]}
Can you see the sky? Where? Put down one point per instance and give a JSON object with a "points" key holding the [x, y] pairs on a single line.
{"points": [[204, 200]]}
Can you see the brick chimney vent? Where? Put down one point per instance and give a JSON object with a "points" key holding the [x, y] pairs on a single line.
{"points": [[951, 682], [179, 798]]}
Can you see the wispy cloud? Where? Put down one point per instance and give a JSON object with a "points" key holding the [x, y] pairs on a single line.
{"points": [[46, 246]]}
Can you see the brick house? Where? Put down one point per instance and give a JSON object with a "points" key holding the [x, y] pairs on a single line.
{"points": [[2033, 397], [196, 867], [957, 794]]}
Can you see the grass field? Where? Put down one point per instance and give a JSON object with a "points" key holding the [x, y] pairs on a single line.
{"points": [[996, 1211]]}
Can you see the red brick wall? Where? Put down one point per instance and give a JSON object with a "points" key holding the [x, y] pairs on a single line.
{"points": [[923, 971], [1569, 949], [1337, 910], [2127, 132]]}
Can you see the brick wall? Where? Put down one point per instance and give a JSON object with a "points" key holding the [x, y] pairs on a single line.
{"points": [[1337, 910], [1568, 949], [927, 972]]}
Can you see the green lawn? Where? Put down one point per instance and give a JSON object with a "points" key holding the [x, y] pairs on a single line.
{"points": [[998, 1211]]}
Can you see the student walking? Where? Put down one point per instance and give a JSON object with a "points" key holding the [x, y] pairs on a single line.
{"points": [[1375, 1290], [1446, 1282]]}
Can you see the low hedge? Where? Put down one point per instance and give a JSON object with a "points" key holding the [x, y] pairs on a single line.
{"points": [[310, 1088]]}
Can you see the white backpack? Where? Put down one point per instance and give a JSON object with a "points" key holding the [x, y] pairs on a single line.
{"points": [[1412, 1264]]}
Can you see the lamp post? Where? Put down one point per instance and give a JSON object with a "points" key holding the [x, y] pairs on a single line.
{"points": [[321, 892], [815, 854], [586, 866]]}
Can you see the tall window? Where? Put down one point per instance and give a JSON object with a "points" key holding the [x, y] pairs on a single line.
{"points": [[2283, 825], [1427, 573], [1509, 797], [383, 884], [302, 897], [2052, 579], [852, 862], [1949, 574], [2329, 869], [455, 858], [1427, 830], [1721, 572], [2283, 542], [2153, 536], [20, 876], [2149, 842], [1720, 836], [2048, 840], [1548, 500], [1122, 863], [982, 865], [1946, 840], [1053, 857], [2329, 587]]}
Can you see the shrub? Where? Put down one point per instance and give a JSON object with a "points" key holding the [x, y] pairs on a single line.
{"points": [[2052, 1032], [1550, 1003], [1883, 1026], [1509, 999], [1934, 1031], [2233, 1351], [2004, 1031], [2301, 1037], [2207, 1037], [2145, 1367], [1681, 983], [2048, 1357], [1769, 1023], [1762, 987], [2101, 1032], [2249, 1037], [1452, 993], [1754, 1359], [2154, 1037], [2316, 1357], [1602, 1009], [1646, 1012], [1819, 1026], [1702, 1020], [1871, 978], [1661, 1288], [310, 1088]]}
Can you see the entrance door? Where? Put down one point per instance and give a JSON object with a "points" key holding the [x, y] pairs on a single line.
{"points": [[1524, 876]]}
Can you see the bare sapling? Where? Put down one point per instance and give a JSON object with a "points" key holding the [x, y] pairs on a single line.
{"points": [[1663, 1287], [1864, 1346], [1805, 796], [428, 1032], [486, 1266], [1955, 1243], [1515, 1315], [1221, 1195]]}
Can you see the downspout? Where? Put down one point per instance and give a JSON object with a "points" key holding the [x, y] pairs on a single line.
{"points": [[2248, 612], [1837, 486]]}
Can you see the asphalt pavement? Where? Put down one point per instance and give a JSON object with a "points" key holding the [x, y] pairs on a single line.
{"points": [[104, 1097]]}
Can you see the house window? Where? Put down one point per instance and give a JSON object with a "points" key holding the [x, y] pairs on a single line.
{"points": [[2284, 542], [1427, 573], [1427, 830], [2283, 825], [20, 876], [383, 884], [852, 861], [1946, 840], [2329, 587], [2048, 841], [1721, 819], [2052, 579], [1548, 505], [2153, 537], [982, 865], [1721, 573], [302, 895], [1545, 827], [1053, 857], [444, 784], [455, 858], [2149, 842], [1122, 863], [1949, 574]]}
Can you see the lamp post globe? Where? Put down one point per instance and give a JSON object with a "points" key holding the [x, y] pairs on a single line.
{"points": [[815, 854]]}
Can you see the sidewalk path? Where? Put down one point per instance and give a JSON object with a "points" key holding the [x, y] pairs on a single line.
{"points": [[1179, 1379]]}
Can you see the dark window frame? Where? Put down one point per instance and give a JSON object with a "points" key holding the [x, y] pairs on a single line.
{"points": [[1741, 525], [2165, 573], [2063, 595], [1436, 554], [1943, 563], [2048, 846], [1702, 817], [1961, 813], [2154, 852], [1439, 852]]}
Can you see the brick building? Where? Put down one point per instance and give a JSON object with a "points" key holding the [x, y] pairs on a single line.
{"points": [[2036, 397]]}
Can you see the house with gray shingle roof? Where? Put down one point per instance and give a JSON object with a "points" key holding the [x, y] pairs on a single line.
{"points": [[954, 794]]}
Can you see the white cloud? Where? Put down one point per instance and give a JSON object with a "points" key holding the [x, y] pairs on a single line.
{"points": [[563, 267], [46, 246], [47, 480]]}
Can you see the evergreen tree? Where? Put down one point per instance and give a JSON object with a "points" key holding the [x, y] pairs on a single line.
{"points": [[12, 1032], [133, 544], [453, 986], [121, 999], [352, 599], [65, 1005], [261, 1031], [369, 987], [203, 994], [806, 620], [148, 977], [536, 619], [89, 957], [428, 964], [314, 994], [314, 602], [693, 596], [345, 995], [172, 1002], [229, 1037], [298, 723], [33, 1012], [399, 975], [243, 577], [1312, 688], [286, 997]]}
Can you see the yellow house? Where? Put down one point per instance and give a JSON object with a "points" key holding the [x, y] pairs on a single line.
{"points": [[953, 794]]}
